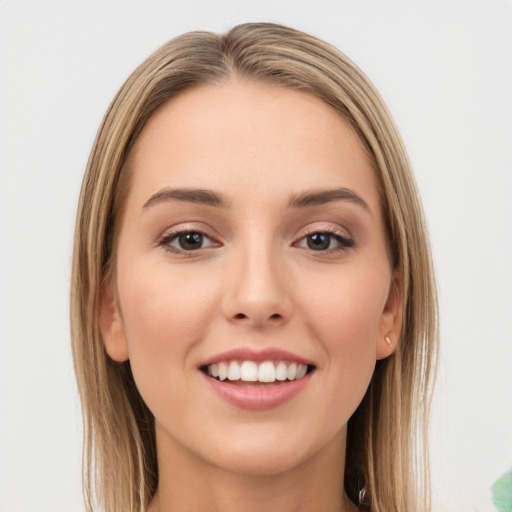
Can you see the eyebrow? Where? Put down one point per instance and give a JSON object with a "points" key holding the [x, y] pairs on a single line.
{"points": [[312, 198], [190, 195], [211, 198]]}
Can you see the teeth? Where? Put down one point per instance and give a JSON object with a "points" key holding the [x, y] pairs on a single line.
{"points": [[234, 371], [250, 371], [266, 372], [223, 371], [301, 371], [281, 371], [292, 371]]}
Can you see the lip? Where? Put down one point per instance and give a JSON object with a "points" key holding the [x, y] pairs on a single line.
{"points": [[250, 354], [256, 397]]}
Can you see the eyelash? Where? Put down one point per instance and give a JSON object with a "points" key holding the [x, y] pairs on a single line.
{"points": [[343, 241], [167, 239]]}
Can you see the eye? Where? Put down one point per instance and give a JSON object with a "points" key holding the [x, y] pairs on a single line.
{"points": [[186, 241], [319, 241], [325, 241]]}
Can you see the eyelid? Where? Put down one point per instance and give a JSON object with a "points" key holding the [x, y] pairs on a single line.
{"points": [[326, 228], [345, 239], [187, 227]]}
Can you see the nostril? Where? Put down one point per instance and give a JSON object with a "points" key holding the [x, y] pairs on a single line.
{"points": [[257, 319]]}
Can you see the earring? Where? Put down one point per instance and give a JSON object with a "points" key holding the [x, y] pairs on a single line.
{"points": [[362, 493], [389, 342]]}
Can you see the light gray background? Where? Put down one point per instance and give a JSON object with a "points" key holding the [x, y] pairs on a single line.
{"points": [[445, 69]]}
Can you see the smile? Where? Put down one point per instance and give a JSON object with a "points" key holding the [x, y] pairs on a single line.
{"points": [[252, 371], [257, 380]]}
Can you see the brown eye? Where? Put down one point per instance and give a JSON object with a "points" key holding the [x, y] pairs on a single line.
{"points": [[186, 241], [318, 241], [325, 241], [190, 241]]}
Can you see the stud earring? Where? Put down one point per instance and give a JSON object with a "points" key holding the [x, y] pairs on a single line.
{"points": [[388, 341], [362, 493]]}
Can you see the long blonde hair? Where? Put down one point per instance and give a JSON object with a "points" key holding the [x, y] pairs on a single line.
{"points": [[386, 467]]}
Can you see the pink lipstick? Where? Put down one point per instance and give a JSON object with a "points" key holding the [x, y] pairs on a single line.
{"points": [[257, 380]]}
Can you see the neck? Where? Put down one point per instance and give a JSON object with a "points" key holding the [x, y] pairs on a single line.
{"points": [[190, 484]]}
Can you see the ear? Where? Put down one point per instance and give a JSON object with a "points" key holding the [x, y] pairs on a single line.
{"points": [[391, 321], [112, 327]]}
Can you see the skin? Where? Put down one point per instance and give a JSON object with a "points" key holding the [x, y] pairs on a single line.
{"points": [[255, 283]]}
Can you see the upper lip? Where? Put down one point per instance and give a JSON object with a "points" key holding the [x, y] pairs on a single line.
{"points": [[251, 354]]}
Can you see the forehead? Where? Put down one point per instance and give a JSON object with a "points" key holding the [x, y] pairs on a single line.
{"points": [[246, 136]]}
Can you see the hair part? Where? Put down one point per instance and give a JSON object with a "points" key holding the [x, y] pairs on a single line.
{"points": [[387, 435]]}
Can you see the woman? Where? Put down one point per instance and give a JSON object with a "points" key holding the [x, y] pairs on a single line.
{"points": [[254, 315]]}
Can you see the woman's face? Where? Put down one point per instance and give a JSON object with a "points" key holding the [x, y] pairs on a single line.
{"points": [[252, 245]]}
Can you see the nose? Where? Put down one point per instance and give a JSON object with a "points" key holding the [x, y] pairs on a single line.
{"points": [[257, 292]]}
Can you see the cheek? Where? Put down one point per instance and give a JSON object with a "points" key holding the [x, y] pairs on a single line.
{"points": [[347, 307], [344, 315], [165, 315]]}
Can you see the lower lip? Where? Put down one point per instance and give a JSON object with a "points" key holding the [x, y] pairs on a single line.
{"points": [[258, 398]]}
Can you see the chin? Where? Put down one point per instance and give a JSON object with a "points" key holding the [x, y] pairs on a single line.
{"points": [[262, 463], [263, 452]]}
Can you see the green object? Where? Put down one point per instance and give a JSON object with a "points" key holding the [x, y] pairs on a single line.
{"points": [[502, 492]]}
